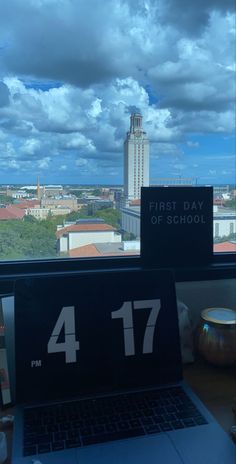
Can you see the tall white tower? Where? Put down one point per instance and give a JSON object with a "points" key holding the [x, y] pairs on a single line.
{"points": [[136, 159]]}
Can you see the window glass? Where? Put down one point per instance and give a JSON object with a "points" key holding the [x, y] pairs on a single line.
{"points": [[100, 98]]}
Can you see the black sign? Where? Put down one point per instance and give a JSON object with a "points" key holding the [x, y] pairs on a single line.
{"points": [[176, 226]]}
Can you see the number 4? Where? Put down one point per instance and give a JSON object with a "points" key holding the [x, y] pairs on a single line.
{"points": [[66, 319]]}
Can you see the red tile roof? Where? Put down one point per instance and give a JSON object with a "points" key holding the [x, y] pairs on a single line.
{"points": [[84, 251], [84, 228], [28, 204], [91, 250], [135, 202], [11, 212], [224, 247]]}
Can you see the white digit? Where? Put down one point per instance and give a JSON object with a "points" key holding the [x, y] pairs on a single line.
{"points": [[66, 319], [155, 306], [126, 313]]}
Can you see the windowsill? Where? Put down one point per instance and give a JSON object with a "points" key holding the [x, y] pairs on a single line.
{"points": [[222, 267]]}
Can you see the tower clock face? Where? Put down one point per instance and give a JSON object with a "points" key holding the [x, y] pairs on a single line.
{"points": [[138, 133]]}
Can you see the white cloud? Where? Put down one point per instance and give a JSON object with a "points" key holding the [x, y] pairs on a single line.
{"points": [[44, 163], [166, 149], [180, 167], [71, 74], [95, 109], [63, 167], [4, 95], [13, 164], [30, 146], [192, 144], [81, 162]]}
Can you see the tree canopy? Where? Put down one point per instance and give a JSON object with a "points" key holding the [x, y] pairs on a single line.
{"points": [[26, 240], [111, 216]]}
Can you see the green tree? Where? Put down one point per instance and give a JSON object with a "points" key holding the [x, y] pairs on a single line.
{"points": [[6, 200], [24, 240], [128, 236], [96, 192], [231, 203], [111, 216], [30, 219], [77, 193]]}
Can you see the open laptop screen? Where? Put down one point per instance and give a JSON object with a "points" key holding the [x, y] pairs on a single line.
{"points": [[94, 332]]}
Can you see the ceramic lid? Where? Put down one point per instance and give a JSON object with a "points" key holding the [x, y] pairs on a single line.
{"points": [[217, 315]]}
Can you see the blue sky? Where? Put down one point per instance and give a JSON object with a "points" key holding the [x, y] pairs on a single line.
{"points": [[70, 75]]}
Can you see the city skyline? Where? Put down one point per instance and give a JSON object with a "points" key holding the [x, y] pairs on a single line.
{"points": [[66, 98]]}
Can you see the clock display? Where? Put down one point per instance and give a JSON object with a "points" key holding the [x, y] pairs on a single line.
{"points": [[91, 332]]}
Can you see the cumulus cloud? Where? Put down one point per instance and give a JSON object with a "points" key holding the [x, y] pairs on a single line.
{"points": [[68, 46], [192, 144], [30, 146], [197, 79], [4, 95], [71, 73], [193, 17]]}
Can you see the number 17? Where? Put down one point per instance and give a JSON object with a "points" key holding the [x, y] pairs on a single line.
{"points": [[126, 313]]}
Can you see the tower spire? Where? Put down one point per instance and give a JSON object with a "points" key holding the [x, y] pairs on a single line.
{"points": [[38, 188], [135, 122]]}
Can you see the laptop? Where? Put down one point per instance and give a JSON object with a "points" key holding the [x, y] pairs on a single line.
{"points": [[99, 374]]}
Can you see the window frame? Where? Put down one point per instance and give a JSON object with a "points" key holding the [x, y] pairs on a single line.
{"points": [[223, 266]]}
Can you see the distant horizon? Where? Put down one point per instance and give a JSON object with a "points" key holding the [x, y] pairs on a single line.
{"points": [[113, 185]]}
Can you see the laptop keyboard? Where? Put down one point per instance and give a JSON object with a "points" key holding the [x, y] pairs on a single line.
{"points": [[85, 422]]}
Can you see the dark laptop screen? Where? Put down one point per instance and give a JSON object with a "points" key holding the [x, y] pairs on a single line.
{"points": [[95, 332]]}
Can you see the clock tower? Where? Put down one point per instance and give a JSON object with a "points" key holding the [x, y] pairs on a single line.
{"points": [[136, 159]]}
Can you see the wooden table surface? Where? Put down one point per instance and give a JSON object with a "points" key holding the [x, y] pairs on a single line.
{"points": [[215, 386]]}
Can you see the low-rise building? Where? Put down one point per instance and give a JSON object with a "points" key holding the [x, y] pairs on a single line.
{"points": [[224, 221], [126, 248], [52, 190], [68, 201], [130, 220], [43, 213], [225, 247], [96, 205], [17, 194], [8, 212], [25, 204], [85, 232]]}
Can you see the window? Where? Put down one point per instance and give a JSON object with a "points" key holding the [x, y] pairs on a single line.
{"points": [[68, 87]]}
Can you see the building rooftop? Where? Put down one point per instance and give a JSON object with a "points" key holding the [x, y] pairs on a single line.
{"points": [[225, 247], [90, 221], [11, 212], [84, 228], [224, 212], [24, 204], [135, 203], [101, 249]]}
